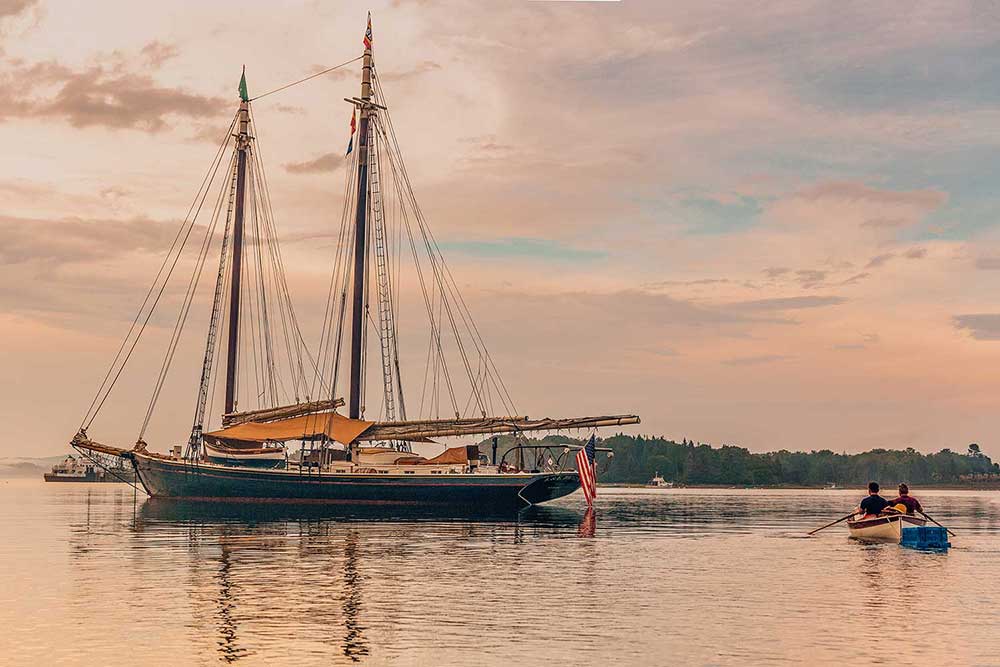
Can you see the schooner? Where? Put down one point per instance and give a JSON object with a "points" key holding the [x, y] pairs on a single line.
{"points": [[282, 435]]}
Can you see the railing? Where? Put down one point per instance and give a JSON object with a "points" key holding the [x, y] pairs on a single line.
{"points": [[552, 463]]}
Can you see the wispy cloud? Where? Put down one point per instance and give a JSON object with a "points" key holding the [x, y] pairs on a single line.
{"points": [[112, 93], [324, 164], [79, 240], [981, 326], [789, 303], [988, 263], [811, 277], [879, 260], [10, 8], [756, 360], [525, 248]]}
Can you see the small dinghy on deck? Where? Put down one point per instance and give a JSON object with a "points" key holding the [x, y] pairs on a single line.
{"points": [[886, 527]]}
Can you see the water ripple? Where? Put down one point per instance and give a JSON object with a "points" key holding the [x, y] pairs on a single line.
{"points": [[95, 576]]}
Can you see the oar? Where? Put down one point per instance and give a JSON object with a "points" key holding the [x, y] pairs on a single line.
{"points": [[833, 523], [930, 518]]}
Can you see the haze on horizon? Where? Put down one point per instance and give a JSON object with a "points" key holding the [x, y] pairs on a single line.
{"points": [[774, 227]]}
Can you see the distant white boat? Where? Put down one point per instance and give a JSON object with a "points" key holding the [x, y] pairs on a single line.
{"points": [[659, 481]]}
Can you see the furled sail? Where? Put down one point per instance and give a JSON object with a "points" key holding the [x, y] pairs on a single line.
{"points": [[281, 412], [323, 426], [441, 428]]}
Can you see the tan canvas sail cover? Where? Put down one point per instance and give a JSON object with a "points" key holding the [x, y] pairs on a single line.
{"points": [[305, 427]]}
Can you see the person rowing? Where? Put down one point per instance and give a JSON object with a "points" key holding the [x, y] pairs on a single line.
{"points": [[905, 499], [873, 504]]}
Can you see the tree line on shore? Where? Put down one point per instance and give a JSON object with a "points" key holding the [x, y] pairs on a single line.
{"points": [[638, 458]]}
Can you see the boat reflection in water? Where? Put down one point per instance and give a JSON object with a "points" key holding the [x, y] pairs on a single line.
{"points": [[341, 573]]}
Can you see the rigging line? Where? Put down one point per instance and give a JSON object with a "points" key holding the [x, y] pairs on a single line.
{"points": [[474, 331], [437, 265], [436, 258], [312, 76], [270, 235], [272, 295], [384, 283], [208, 360], [429, 301], [264, 322], [271, 371], [440, 285], [340, 249], [88, 416], [326, 353], [189, 296], [285, 309], [427, 366], [348, 233], [388, 255], [300, 344], [163, 285], [247, 323], [218, 342], [365, 289], [262, 325]]}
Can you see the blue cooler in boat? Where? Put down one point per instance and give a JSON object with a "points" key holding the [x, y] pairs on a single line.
{"points": [[925, 537]]}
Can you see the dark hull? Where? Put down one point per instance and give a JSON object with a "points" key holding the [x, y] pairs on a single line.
{"points": [[164, 478]]}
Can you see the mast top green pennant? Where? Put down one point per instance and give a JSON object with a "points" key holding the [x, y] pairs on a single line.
{"points": [[243, 86]]}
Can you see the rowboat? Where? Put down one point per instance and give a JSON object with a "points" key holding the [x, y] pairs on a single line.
{"points": [[887, 527]]}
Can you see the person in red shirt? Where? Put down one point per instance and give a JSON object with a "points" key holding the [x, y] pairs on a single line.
{"points": [[904, 498]]}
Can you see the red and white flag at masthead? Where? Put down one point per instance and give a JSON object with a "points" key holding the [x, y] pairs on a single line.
{"points": [[368, 32], [587, 466]]}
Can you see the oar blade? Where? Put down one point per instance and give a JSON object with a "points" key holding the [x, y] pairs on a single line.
{"points": [[832, 523]]}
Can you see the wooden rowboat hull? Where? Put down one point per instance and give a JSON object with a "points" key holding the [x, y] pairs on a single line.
{"points": [[883, 528]]}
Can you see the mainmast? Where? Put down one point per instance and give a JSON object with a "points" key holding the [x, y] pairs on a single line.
{"points": [[360, 233], [242, 145]]}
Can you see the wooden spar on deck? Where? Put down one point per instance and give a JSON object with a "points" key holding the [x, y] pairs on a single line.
{"points": [[483, 426], [280, 412], [242, 142], [360, 236]]}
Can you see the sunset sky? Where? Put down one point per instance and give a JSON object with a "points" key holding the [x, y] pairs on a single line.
{"points": [[766, 225]]}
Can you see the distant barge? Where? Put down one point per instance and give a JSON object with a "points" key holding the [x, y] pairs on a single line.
{"points": [[72, 469]]}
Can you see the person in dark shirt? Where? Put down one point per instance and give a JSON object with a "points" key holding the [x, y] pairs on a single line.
{"points": [[904, 498], [874, 503]]}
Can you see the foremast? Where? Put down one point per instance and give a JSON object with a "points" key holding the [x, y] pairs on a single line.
{"points": [[242, 147], [237, 201]]}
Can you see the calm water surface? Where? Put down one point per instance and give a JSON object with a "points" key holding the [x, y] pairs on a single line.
{"points": [[93, 576]]}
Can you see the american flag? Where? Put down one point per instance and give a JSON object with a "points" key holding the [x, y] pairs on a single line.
{"points": [[586, 464], [368, 32], [588, 525]]}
